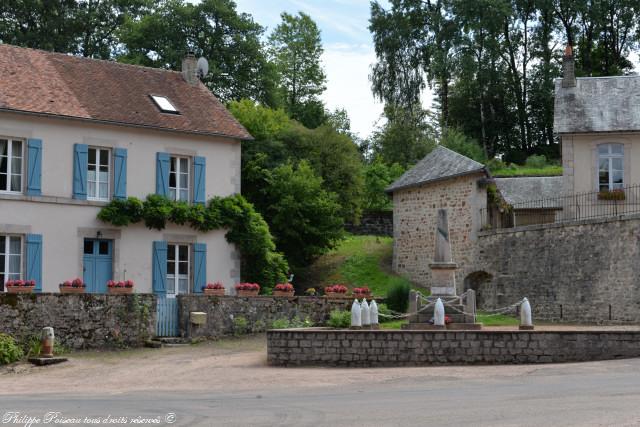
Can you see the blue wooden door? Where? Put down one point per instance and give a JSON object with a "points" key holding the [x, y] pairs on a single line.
{"points": [[167, 320], [97, 264]]}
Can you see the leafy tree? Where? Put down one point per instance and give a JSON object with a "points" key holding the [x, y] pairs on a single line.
{"points": [[377, 177], [295, 48], [238, 67], [335, 158], [460, 143], [83, 27], [304, 218], [493, 63], [405, 138]]}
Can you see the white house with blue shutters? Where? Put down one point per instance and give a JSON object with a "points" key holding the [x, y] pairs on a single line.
{"points": [[76, 133]]}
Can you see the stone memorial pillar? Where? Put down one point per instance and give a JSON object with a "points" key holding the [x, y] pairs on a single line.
{"points": [[443, 269]]}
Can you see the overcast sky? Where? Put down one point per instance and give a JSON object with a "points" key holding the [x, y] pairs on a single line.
{"points": [[348, 51]]}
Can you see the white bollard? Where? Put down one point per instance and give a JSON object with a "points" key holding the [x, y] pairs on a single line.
{"points": [[373, 313], [356, 315], [525, 315], [438, 313], [365, 312]]}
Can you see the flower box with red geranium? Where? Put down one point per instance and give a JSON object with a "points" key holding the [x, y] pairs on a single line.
{"points": [[121, 287], [336, 291], [215, 289], [247, 289], [283, 290], [20, 286], [362, 292], [75, 286]]}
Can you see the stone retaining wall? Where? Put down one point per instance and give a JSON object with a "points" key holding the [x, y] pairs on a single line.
{"points": [[328, 347], [80, 321], [586, 271], [373, 223], [259, 313]]}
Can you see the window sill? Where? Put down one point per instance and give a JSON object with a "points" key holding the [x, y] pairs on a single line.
{"points": [[51, 200]]}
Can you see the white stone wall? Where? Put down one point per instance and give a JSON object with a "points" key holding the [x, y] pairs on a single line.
{"points": [[415, 217], [65, 222]]}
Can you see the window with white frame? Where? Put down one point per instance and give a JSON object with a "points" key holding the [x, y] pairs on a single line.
{"points": [[179, 178], [11, 165], [10, 258], [610, 167], [98, 174], [178, 260]]}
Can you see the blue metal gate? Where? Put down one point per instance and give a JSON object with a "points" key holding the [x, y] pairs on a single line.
{"points": [[167, 323]]}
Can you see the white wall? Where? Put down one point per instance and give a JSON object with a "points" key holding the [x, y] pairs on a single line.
{"points": [[64, 223]]}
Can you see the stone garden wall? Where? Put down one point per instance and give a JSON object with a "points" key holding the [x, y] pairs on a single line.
{"points": [[224, 314], [373, 223], [327, 347], [587, 271], [80, 321]]}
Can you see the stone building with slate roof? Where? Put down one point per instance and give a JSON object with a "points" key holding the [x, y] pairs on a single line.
{"points": [[76, 133], [443, 179], [598, 122]]}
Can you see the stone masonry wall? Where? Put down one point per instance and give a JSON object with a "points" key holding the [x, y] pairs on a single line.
{"points": [[327, 347], [415, 217], [80, 321], [373, 223], [586, 271], [259, 312]]}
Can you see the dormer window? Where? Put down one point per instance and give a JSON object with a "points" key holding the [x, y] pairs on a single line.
{"points": [[164, 104]]}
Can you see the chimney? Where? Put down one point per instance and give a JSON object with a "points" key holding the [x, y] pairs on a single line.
{"points": [[189, 68], [568, 68]]}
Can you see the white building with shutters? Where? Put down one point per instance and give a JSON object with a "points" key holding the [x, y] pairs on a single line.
{"points": [[76, 133]]}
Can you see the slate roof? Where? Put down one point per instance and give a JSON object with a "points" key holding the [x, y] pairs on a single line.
{"points": [[54, 84], [598, 104], [531, 190], [440, 164]]}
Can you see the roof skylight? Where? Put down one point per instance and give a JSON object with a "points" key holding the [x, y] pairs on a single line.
{"points": [[164, 104]]}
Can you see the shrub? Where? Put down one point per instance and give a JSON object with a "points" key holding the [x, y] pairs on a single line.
{"points": [[9, 351], [398, 297], [339, 319], [284, 287], [383, 309], [296, 322], [536, 161], [247, 287], [240, 325]]}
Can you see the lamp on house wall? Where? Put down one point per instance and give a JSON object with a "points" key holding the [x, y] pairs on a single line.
{"points": [[99, 234]]}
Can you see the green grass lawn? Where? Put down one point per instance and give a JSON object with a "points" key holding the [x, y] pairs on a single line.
{"points": [[496, 320], [357, 261], [395, 324], [525, 171]]}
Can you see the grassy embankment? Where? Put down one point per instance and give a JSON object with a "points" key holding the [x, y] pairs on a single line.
{"points": [[366, 261]]}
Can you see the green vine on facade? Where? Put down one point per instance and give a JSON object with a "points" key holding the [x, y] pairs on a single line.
{"points": [[245, 228]]}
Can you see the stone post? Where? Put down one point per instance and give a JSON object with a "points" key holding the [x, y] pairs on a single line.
{"points": [[356, 319], [470, 305], [438, 313], [525, 315], [46, 342]]}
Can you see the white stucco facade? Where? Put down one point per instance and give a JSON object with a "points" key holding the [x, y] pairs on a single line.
{"points": [[64, 222]]}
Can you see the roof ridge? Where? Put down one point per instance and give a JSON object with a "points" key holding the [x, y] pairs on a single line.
{"points": [[80, 57]]}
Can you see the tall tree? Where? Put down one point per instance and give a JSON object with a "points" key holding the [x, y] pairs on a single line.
{"points": [[238, 67], [83, 27], [296, 50]]}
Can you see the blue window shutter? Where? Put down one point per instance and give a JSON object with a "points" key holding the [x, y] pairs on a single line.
{"points": [[162, 174], [199, 266], [159, 267], [199, 175], [34, 259], [34, 167], [120, 173], [80, 165]]}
